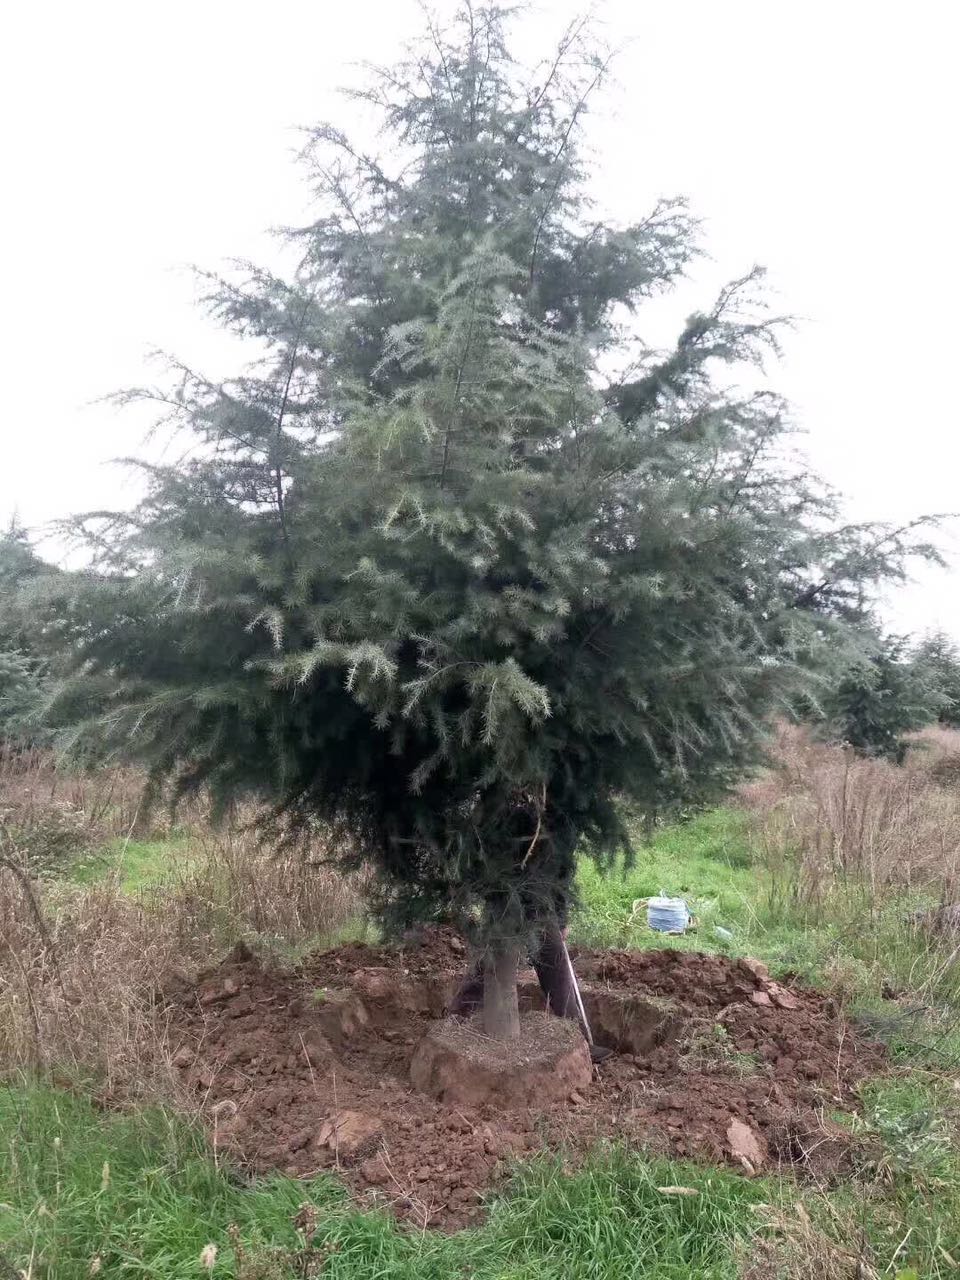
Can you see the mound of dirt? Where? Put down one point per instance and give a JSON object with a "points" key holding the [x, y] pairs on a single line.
{"points": [[310, 1069], [423, 951]]}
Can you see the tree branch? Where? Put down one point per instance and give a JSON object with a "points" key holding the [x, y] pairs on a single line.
{"points": [[574, 117], [278, 469], [455, 402]]}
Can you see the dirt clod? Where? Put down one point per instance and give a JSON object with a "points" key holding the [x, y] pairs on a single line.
{"points": [[350, 1134], [375, 1170], [746, 1144], [782, 998]]}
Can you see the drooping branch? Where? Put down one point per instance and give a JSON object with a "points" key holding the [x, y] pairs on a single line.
{"points": [[889, 536]]}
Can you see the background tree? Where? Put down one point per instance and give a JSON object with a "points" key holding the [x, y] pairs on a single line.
{"points": [[22, 671], [938, 657], [881, 696], [461, 561]]}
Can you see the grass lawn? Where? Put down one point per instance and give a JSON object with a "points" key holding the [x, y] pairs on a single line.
{"points": [[707, 861]]}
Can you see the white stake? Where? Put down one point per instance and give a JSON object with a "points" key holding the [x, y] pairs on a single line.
{"points": [[576, 991]]}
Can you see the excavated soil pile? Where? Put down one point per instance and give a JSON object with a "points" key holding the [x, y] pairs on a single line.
{"points": [[310, 1069]]}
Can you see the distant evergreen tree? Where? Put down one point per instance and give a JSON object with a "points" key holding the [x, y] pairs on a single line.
{"points": [[882, 696], [938, 657], [22, 683], [18, 564], [461, 560], [21, 699]]}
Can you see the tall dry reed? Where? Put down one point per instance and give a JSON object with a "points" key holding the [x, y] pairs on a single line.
{"points": [[231, 885], [826, 819]]}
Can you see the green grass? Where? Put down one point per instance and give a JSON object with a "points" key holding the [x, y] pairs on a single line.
{"points": [[140, 1194], [708, 861], [139, 864], [909, 1200]]}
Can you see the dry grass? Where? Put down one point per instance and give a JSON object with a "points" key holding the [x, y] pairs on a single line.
{"points": [[81, 966], [234, 887], [860, 858], [50, 814], [792, 1247], [31, 783], [78, 976], [828, 820]]}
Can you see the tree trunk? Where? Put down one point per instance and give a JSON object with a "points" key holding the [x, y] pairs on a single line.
{"points": [[553, 972], [501, 1009]]}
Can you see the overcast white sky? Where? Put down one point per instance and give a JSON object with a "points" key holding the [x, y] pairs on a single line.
{"points": [[813, 137]]}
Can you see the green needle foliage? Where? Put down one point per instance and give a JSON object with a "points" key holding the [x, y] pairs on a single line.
{"points": [[883, 695], [22, 674], [938, 657], [460, 559]]}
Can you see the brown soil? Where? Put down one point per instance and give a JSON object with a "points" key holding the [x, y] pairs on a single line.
{"points": [[310, 1069]]}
